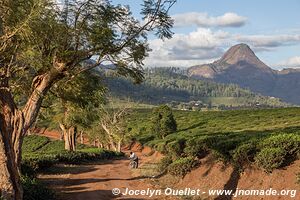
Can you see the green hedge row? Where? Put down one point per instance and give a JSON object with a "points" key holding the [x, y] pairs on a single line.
{"points": [[179, 167], [35, 190], [269, 153], [38, 162]]}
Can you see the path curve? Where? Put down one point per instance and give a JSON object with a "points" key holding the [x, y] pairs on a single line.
{"points": [[95, 181]]}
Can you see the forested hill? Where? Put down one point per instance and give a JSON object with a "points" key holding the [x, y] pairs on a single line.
{"points": [[172, 85]]}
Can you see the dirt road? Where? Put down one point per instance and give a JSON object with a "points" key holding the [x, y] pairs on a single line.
{"points": [[94, 181]]}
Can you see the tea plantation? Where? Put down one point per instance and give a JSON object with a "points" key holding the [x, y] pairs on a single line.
{"points": [[267, 138]]}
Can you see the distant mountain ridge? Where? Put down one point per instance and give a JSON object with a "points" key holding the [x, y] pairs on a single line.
{"points": [[172, 85], [239, 65]]}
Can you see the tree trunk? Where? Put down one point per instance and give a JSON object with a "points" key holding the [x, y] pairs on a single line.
{"points": [[43, 132], [119, 145], [81, 137], [70, 138], [10, 185], [98, 143], [61, 135], [113, 145], [14, 124], [11, 137], [110, 138]]}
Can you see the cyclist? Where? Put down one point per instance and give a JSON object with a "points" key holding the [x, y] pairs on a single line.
{"points": [[133, 157]]}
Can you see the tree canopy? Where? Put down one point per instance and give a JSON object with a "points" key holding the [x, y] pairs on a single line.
{"points": [[163, 122]]}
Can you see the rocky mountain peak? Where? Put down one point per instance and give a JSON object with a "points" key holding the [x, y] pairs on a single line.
{"points": [[241, 53]]}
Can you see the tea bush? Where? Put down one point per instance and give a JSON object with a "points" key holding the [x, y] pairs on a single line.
{"points": [[175, 148], [287, 142], [270, 158], [35, 190], [182, 166], [244, 154], [32, 143], [197, 147], [164, 164]]}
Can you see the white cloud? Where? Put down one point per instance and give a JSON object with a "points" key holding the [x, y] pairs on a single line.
{"points": [[293, 62], [204, 46], [203, 20], [268, 41], [201, 46]]}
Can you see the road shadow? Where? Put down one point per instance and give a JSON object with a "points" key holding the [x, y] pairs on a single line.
{"points": [[231, 184], [77, 168], [76, 194], [68, 169], [86, 195], [63, 182]]}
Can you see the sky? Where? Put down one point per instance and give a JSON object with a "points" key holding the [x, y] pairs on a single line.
{"points": [[205, 29]]}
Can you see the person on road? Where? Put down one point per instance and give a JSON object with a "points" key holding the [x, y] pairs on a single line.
{"points": [[133, 157]]}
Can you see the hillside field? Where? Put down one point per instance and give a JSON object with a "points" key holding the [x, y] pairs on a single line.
{"points": [[269, 138]]}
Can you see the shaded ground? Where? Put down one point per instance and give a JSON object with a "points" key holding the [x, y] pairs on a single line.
{"points": [[93, 181]]}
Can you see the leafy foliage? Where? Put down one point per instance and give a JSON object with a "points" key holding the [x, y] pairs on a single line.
{"points": [[182, 166], [53, 152], [175, 148], [163, 122], [270, 158], [32, 143], [35, 190], [240, 137], [197, 147], [244, 154], [164, 164], [74, 103]]}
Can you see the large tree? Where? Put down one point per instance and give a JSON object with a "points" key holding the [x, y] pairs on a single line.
{"points": [[72, 105], [42, 43], [113, 125], [162, 121]]}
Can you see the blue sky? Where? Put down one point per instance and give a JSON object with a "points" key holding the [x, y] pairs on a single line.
{"points": [[204, 29]]}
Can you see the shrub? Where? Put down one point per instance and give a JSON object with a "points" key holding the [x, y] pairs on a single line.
{"points": [[32, 143], [39, 162], [53, 146], [35, 190], [182, 166], [27, 170], [244, 154], [197, 147], [219, 156], [164, 163], [161, 147], [287, 142], [270, 158], [143, 139], [91, 154], [175, 148], [162, 121]]}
